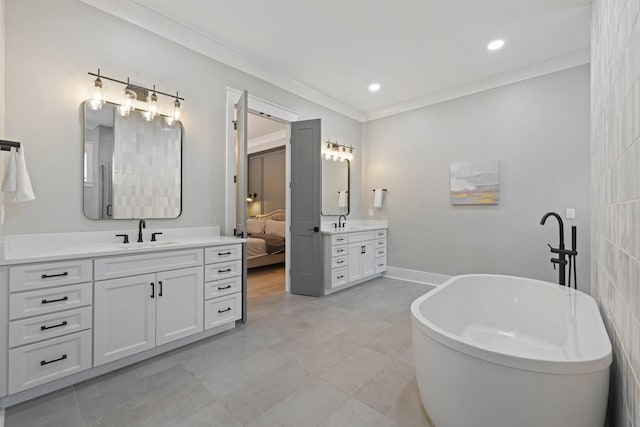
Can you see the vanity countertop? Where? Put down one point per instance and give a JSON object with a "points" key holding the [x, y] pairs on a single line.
{"points": [[27, 253], [353, 228]]}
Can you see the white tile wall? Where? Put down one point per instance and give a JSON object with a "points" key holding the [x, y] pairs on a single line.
{"points": [[615, 170]]}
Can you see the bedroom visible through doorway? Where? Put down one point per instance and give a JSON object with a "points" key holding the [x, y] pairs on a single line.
{"points": [[266, 206]]}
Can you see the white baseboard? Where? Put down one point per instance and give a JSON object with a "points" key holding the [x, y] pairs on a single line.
{"points": [[416, 276]]}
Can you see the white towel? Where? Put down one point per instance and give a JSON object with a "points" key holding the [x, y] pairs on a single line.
{"points": [[24, 191], [377, 197], [9, 183], [342, 199]]}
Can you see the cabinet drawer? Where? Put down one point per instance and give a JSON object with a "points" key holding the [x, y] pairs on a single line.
{"points": [[222, 310], [381, 234], [361, 237], [36, 276], [381, 243], [222, 287], [381, 251], [34, 329], [338, 277], [339, 261], [46, 301], [339, 239], [39, 363], [381, 264], [339, 250], [222, 253], [222, 270], [131, 265]]}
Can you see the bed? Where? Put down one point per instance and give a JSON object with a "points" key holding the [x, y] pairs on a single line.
{"points": [[265, 243]]}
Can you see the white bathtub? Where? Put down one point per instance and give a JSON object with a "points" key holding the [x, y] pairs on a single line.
{"points": [[502, 351]]}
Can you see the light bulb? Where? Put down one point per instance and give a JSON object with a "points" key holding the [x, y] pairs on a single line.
{"points": [[152, 103], [170, 120], [175, 109], [123, 110], [147, 115], [129, 97], [96, 97]]}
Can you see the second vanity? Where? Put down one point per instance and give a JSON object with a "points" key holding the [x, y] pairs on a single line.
{"points": [[77, 311], [353, 254]]}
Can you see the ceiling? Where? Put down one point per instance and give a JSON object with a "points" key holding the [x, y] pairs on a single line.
{"points": [[259, 126], [420, 51]]}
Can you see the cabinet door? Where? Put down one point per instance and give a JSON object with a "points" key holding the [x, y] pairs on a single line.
{"points": [[355, 261], [368, 259], [125, 317], [180, 304]]}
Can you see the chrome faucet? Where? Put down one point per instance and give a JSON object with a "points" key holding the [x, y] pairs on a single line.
{"points": [[340, 223], [141, 225]]}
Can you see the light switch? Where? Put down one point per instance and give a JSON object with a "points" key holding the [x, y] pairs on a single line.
{"points": [[570, 213]]}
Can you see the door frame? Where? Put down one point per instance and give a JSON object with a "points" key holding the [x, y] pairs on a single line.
{"points": [[276, 112]]}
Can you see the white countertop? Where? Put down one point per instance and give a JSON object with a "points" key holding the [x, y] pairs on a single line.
{"points": [[354, 226], [20, 249]]}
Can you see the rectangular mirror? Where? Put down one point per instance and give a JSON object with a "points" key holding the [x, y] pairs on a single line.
{"points": [[132, 167], [336, 181]]}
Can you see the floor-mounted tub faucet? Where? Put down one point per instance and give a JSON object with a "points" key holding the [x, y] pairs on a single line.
{"points": [[561, 251]]}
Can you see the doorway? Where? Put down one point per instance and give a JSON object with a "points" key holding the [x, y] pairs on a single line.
{"points": [[266, 206]]}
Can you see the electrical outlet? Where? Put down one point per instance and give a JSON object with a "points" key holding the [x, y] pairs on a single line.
{"points": [[570, 213], [370, 212]]}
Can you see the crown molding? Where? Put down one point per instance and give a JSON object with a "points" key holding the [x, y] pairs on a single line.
{"points": [[163, 26], [266, 142], [571, 60]]}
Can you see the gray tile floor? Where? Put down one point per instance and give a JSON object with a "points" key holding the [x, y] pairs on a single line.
{"points": [[344, 360]]}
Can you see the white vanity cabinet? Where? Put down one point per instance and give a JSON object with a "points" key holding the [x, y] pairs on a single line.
{"points": [[352, 257], [49, 322], [137, 313], [72, 319]]}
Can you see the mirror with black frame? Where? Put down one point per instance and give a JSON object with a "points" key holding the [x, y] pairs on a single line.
{"points": [[336, 191], [132, 166]]}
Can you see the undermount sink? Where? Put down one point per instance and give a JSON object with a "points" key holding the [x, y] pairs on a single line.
{"points": [[145, 245]]}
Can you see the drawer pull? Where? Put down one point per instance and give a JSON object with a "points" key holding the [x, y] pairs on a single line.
{"points": [[59, 325], [380, 252], [225, 310], [340, 277], [340, 239], [340, 250], [224, 253], [46, 362], [380, 265], [340, 262], [49, 301], [49, 276], [224, 271], [222, 288]]}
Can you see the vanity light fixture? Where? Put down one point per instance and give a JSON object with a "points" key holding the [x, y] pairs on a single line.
{"points": [[337, 152], [129, 97], [96, 97]]}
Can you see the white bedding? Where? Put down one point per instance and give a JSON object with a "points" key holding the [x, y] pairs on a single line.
{"points": [[256, 247]]}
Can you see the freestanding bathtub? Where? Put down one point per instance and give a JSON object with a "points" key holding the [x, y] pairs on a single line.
{"points": [[503, 351]]}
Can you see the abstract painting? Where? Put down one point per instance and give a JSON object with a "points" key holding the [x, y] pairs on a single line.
{"points": [[475, 182]]}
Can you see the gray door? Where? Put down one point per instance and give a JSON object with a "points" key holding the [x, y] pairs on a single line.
{"points": [[306, 179], [241, 186]]}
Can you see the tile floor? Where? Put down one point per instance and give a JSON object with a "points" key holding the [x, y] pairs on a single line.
{"points": [[344, 360]]}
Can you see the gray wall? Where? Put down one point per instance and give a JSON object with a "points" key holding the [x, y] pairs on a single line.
{"points": [[615, 163], [538, 129], [50, 46]]}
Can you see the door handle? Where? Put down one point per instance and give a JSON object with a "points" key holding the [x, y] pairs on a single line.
{"points": [[153, 290], [314, 229], [160, 290]]}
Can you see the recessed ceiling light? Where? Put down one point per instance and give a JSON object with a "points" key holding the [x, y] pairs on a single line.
{"points": [[374, 87], [495, 45]]}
